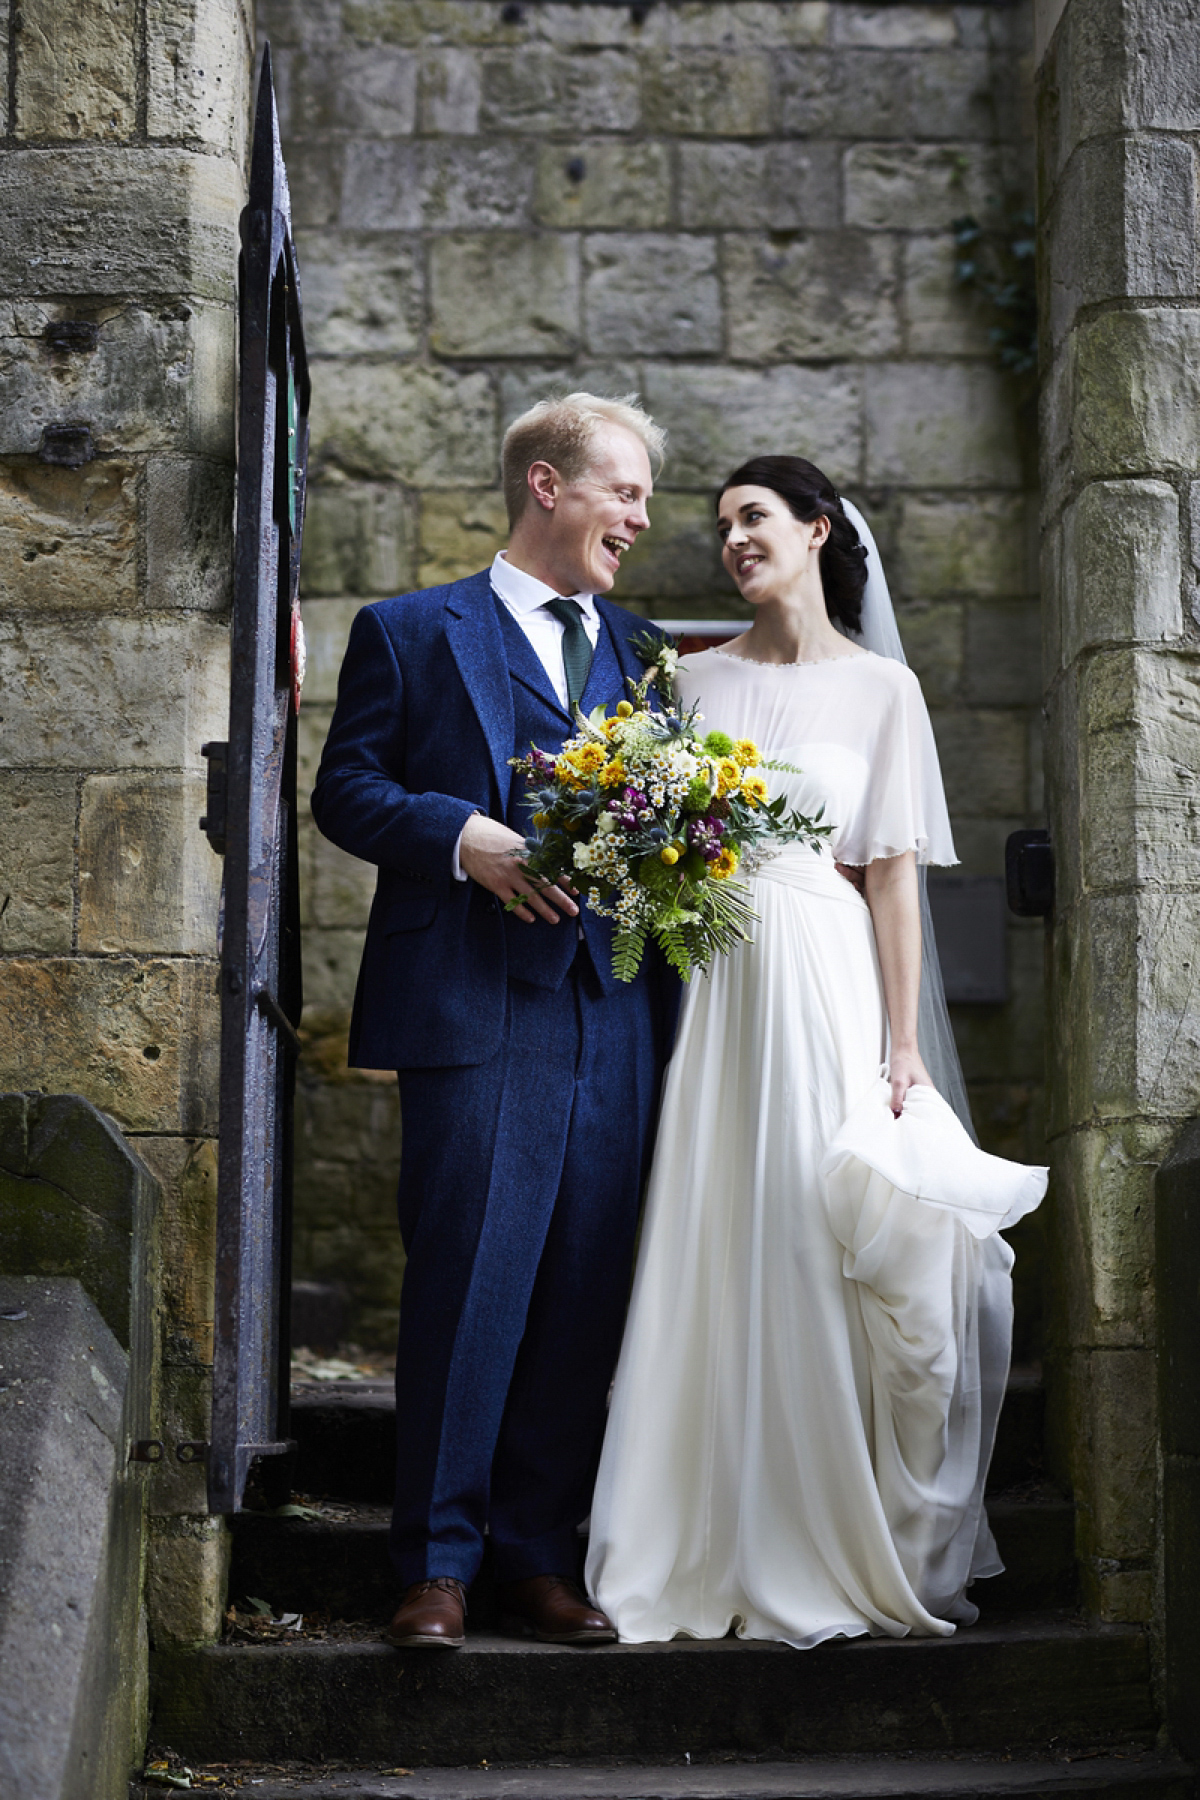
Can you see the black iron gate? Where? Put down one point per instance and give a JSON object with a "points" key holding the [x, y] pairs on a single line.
{"points": [[251, 820]]}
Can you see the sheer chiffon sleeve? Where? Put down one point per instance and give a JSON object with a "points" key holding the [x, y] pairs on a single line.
{"points": [[902, 805]]}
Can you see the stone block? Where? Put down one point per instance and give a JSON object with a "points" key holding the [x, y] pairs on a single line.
{"points": [[504, 294], [348, 1120], [1004, 1043], [917, 187], [895, 27], [941, 316], [359, 90], [979, 545], [825, 294], [186, 1576], [1139, 820], [404, 422], [1123, 223], [68, 217], [707, 93], [317, 181], [571, 27], [1125, 419], [1115, 1495], [70, 1527], [461, 531], [449, 92], [187, 1243], [678, 558], [331, 960], [76, 1201], [427, 21], [593, 183], [188, 514], [933, 645], [652, 293], [311, 731], [717, 417], [1122, 566], [983, 756], [444, 185], [77, 70], [135, 1036], [777, 186], [1003, 653], [326, 629], [1104, 1229], [111, 692], [5, 123], [1160, 70], [142, 378], [940, 425], [922, 94], [342, 887], [37, 857], [359, 538], [540, 88], [68, 537], [199, 62], [753, 24], [148, 877], [363, 292]]}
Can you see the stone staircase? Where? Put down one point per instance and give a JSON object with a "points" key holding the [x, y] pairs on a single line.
{"points": [[1032, 1700]]}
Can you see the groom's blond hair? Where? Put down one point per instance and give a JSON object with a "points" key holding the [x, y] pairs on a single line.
{"points": [[561, 431]]}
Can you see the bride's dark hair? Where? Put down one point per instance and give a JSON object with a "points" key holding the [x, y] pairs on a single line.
{"points": [[811, 495]]}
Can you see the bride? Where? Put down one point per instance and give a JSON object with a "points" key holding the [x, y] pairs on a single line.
{"points": [[818, 1336]]}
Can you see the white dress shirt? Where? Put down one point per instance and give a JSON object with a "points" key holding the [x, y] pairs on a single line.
{"points": [[525, 598]]}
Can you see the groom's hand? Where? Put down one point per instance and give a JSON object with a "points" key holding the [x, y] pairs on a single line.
{"points": [[488, 852]]}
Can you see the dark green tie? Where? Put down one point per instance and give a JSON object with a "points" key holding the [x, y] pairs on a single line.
{"points": [[576, 647]]}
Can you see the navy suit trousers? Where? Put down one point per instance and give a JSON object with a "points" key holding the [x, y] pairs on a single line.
{"points": [[519, 1193]]}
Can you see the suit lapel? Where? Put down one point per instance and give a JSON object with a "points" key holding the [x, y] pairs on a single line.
{"points": [[473, 633], [621, 627]]}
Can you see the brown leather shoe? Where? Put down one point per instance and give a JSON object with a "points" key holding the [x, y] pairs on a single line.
{"points": [[430, 1616], [554, 1611]]}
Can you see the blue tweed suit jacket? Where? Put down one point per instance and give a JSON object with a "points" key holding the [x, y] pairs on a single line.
{"points": [[420, 739]]}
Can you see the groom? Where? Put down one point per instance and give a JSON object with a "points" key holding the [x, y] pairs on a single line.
{"points": [[529, 1076]]}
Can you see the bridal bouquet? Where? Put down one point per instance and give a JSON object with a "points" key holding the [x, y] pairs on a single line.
{"points": [[650, 820]]}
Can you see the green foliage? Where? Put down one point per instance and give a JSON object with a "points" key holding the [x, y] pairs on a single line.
{"points": [[998, 263]]}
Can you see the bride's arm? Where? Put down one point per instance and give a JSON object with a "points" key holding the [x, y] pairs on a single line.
{"points": [[891, 893]]}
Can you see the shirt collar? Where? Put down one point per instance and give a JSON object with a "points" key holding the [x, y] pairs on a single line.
{"points": [[525, 593]]}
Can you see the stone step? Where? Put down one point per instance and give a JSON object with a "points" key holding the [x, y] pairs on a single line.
{"points": [[338, 1565], [1047, 1681], [1134, 1776], [346, 1437]]}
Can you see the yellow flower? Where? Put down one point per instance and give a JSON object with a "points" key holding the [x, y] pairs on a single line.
{"points": [[541, 820], [747, 752], [724, 866], [588, 758], [614, 774], [624, 709], [754, 789], [729, 775], [611, 726], [670, 856]]}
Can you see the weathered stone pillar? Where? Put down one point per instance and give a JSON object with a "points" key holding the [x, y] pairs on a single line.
{"points": [[1119, 90], [121, 178]]}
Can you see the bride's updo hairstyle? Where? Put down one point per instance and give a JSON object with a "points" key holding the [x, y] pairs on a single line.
{"points": [[811, 495]]}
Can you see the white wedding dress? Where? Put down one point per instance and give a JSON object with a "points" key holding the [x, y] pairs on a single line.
{"points": [[818, 1336]]}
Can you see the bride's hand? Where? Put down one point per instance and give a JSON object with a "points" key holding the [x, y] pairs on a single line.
{"points": [[906, 1070]]}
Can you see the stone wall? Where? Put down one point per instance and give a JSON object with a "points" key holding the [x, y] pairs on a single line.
{"points": [[1119, 110], [121, 177], [740, 209]]}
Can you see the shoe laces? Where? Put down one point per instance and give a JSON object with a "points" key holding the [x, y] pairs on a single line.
{"points": [[447, 1583]]}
